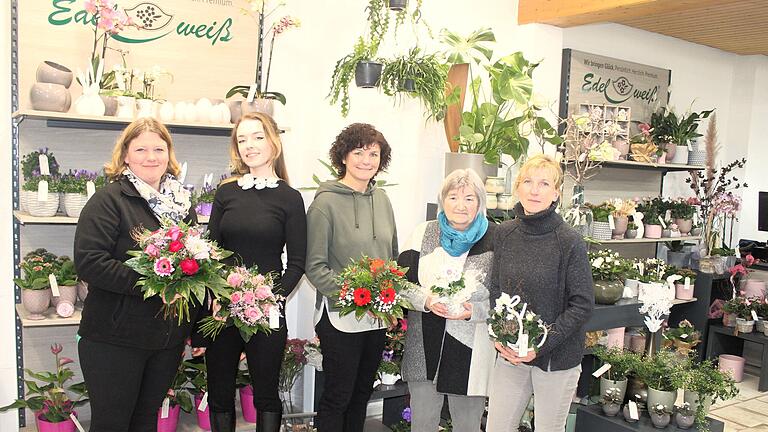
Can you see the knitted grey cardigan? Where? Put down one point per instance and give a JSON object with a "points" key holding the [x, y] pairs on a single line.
{"points": [[544, 261]]}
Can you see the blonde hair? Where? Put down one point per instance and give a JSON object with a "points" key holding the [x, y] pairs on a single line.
{"points": [[460, 178], [539, 162], [272, 134], [115, 167]]}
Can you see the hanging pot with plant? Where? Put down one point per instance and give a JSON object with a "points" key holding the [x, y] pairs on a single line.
{"points": [[419, 75], [360, 63], [398, 5], [368, 73]]}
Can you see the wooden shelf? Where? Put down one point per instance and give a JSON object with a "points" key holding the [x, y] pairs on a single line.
{"points": [[648, 166], [26, 219], [51, 319], [649, 240]]}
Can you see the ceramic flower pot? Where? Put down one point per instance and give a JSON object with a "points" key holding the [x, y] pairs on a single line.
{"points": [[50, 97], [631, 233], [145, 108], [696, 231], [90, 105], [619, 227], [666, 398], [82, 290], [622, 145], [680, 154], [660, 421], [611, 409], [367, 74], [110, 105], [46, 208], [126, 107], [234, 110], [732, 364], [631, 288], [697, 157], [693, 400], [266, 106], [398, 5], [204, 209], [169, 423], [637, 343], [652, 231], [389, 379], [203, 417], [36, 302], [606, 384], [246, 403], [607, 292], [670, 150], [666, 233], [67, 293], [683, 293], [744, 326], [44, 425], [684, 225], [627, 417], [74, 203], [615, 337], [476, 162], [684, 422], [54, 73], [166, 112], [601, 230], [635, 385]]}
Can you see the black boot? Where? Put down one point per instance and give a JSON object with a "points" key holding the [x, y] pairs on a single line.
{"points": [[222, 421], [268, 421]]}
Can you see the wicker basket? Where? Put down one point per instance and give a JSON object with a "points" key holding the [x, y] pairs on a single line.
{"points": [[43, 208]]}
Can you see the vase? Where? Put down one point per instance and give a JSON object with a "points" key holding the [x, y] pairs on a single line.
{"points": [[680, 155], [389, 379], [652, 231], [684, 225], [126, 107], [601, 230], [666, 398], [683, 421], [367, 74], [627, 417], [203, 416], [74, 203], [615, 337], [203, 209], [49, 97], [660, 421], [744, 326], [579, 216], [619, 227], [473, 161], [678, 259], [631, 233], [729, 319], [45, 208], [607, 292], [36, 302], [44, 425], [90, 104], [693, 400], [54, 73], [145, 108], [82, 290], [67, 293], [753, 288], [169, 423], [683, 293], [110, 105], [606, 384], [611, 409], [246, 403], [732, 364]]}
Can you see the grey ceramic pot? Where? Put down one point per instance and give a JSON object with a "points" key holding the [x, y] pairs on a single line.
{"points": [[660, 421], [110, 105], [54, 73], [50, 97], [611, 409], [684, 422]]}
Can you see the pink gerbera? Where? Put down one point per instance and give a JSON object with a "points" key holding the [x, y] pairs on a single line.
{"points": [[163, 267]]}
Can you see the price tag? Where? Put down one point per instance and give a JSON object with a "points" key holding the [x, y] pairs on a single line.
{"points": [[603, 369], [522, 345], [166, 406], [695, 218], [754, 315], [44, 168], [611, 222], [76, 422], [668, 215], [687, 283], [661, 221], [251, 93], [54, 284], [633, 410], [42, 191], [203, 402], [90, 188], [183, 173], [274, 318], [641, 268]]}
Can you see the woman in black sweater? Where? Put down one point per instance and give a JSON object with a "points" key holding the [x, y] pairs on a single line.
{"points": [[255, 217], [128, 352]]}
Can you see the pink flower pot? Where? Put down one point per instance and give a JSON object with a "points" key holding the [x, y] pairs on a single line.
{"points": [[168, 424], [637, 343], [246, 403], [753, 288], [682, 293], [733, 364], [652, 231], [44, 425], [616, 337], [203, 417], [684, 225], [619, 227]]}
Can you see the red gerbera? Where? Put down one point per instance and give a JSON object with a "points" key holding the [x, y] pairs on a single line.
{"points": [[362, 296], [387, 296]]}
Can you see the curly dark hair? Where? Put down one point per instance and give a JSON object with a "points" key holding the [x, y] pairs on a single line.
{"points": [[355, 136]]}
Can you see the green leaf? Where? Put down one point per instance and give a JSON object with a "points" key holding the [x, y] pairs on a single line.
{"points": [[241, 90]]}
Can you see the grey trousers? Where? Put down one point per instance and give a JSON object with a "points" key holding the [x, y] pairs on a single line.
{"points": [[511, 388], [426, 404]]}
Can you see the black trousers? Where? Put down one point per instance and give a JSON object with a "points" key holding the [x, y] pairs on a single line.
{"points": [[350, 361], [264, 354], [126, 385]]}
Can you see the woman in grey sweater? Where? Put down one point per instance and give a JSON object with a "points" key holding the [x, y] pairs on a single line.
{"points": [[541, 259]]}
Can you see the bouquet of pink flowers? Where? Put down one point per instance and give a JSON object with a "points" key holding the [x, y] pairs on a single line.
{"points": [[178, 263], [251, 306]]}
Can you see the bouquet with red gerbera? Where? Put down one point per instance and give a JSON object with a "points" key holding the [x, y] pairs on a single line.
{"points": [[372, 285], [177, 261]]}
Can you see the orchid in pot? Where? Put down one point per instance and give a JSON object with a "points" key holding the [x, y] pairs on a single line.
{"points": [[53, 401]]}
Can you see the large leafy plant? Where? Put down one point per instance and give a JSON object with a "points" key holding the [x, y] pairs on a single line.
{"points": [[419, 75], [668, 127]]}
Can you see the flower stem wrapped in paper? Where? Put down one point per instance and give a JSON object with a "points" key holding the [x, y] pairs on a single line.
{"points": [[372, 285], [454, 288], [177, 262], [251, 306], [516, 327]]}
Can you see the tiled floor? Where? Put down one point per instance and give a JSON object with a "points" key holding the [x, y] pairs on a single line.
{"points": [[748, 412]]}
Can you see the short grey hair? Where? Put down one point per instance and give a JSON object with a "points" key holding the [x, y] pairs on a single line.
{"points": [[463, 178]]}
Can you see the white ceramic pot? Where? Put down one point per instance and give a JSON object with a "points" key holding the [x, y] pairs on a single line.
{"points": [[389, 379], [43, 208], [74, 203], [90, 105], [167, 112], [145, 107], [126, 107]]}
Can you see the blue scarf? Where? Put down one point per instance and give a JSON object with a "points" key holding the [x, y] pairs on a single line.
{"points": [[457, 242]]}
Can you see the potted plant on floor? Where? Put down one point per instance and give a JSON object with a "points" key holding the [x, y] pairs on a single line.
{"points": [[660, 415], [684, 416], [35, 284], [419, 75], [662, 372], [705, 385], [177, 399], [611, 401], [197, 377], [52, 400]]}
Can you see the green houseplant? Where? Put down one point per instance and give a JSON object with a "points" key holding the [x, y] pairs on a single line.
{"points": [[363, 54], [420, 75], [705, 385], [622, 363], [668, 127]]}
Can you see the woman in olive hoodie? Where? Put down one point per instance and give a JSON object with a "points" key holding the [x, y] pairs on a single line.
{"points": [[348, 218]]}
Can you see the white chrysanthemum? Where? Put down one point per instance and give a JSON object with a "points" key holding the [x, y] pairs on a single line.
{"points": [[197, 247]]}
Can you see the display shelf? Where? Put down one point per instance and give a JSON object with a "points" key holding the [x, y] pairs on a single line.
{"points": [[26, 219], [624, 313], [649, 166], [649, 240], [51, 319]]}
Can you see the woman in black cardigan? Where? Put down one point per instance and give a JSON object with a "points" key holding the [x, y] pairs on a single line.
{"points": [[128, 352], [255, 217]]}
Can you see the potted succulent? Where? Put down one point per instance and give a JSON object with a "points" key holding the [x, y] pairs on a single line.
{"points": [[417, 75], [622, 362], [685, 415], [52, 400], [176, 400], [611, 401], [361, 64], [608, 276], [35, 284], [74, 187], [197, 378], [601, 228], [683, 291], [389, 369], [622, 210], [705, 385], [660, 415], [672, 133], [66, 279], [682, 338]]}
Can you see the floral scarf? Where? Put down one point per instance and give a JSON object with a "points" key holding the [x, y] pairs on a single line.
{"points": [[172, 201]]}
